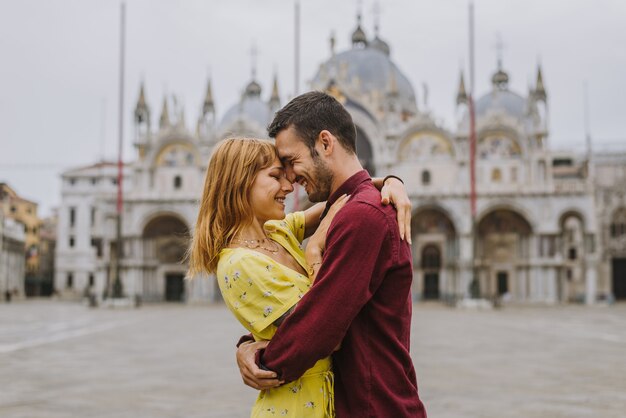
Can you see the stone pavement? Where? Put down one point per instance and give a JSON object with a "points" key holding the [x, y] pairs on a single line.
{"points": [[65, 360]]}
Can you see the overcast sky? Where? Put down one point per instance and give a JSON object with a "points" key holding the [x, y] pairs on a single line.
{"points": [[59, 65]]}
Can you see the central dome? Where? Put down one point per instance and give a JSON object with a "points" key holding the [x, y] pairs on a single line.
{"points": [[501, 98], [365, 71]]}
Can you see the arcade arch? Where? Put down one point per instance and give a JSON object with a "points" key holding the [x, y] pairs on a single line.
{"points": [[503, 254], [435, 251], [165, 240]]}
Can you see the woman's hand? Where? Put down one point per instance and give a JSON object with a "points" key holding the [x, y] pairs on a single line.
{"points": [[394, 193]]}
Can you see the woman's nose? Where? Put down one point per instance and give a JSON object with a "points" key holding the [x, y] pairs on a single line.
{"points": [[287, 186]]}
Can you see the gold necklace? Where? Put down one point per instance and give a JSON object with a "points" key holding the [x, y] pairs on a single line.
{"points": [[253, 244]]}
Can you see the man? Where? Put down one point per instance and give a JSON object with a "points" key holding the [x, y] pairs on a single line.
{"points": [[361, 297]]}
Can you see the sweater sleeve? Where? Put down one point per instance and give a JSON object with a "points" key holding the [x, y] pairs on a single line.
{"points": [[358, 251]]}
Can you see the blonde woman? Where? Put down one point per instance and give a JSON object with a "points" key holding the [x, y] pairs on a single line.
{"points": [[243, 236]]}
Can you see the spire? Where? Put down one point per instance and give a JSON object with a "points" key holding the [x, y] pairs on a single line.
{"points": [[253, 57], [376, 13], [333, 42], [141, 110], [275, 95], [208, 106], [461, 96], [164, 120], [377, 42], [540, 90]]}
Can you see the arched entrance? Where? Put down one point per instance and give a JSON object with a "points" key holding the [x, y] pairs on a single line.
{"points": [[165, 242], [617, 247], [503, 253], [431, 266], [435, 252]]}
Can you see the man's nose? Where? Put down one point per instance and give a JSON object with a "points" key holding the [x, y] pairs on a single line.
{"points": [[290, 174]]}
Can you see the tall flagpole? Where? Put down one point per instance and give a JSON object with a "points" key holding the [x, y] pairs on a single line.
{"points": [[296, 84], [475, 284], [118, 289], [586, 120]]}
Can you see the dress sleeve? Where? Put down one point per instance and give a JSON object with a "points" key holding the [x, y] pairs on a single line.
{"points": [[293, 223], [257, 292]]}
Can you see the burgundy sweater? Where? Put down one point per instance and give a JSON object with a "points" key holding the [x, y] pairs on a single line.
{"points": [[361, 299]]}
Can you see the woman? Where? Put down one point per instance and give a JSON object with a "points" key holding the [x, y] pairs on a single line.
{"points": [[243, 236]]}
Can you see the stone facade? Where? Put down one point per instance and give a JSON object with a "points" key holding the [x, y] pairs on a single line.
{"points": [[12, 261], [549, 227]]}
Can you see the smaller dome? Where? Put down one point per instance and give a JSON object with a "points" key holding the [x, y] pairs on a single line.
{"points": [[500, 79], [253, 89], [380, 45], [358, 36], [250, 109]]}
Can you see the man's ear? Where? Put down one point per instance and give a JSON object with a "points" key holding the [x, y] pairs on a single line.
{"points": [[327, 142]]}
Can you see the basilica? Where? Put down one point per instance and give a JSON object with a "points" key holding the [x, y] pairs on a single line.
{"points": [[549, 227]]}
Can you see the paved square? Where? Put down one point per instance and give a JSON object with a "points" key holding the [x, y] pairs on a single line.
{"points": [[66, 360]]}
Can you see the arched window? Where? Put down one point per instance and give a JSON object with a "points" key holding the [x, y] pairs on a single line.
{"points": [[496, 175], [618, 224], [425, 177], [178, 182]]}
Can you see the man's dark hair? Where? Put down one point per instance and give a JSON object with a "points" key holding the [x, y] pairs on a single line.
{"points": [[311, 113]]}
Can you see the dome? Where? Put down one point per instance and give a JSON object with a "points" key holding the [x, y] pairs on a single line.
{"points": [[372, 68], [501, 98], [358, 36], [504, 100], [249, 109], [380, 45]]}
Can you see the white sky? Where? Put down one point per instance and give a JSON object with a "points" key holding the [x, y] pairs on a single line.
{"points": [[59, 65]]}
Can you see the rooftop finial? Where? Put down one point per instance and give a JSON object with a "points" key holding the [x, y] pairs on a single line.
{"points": [[540, 90], [461, 96], [208, 105], [499, 49], [376, 13], [164, 120], [253, 57], [378, 43], [275, 95], [141, 110], [500, 79]]}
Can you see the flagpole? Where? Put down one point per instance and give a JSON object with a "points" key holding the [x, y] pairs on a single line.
{"points": [[475, 284], [118, 289]]}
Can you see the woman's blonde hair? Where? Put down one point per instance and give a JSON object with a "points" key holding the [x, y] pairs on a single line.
{"points": [[225, 206]]}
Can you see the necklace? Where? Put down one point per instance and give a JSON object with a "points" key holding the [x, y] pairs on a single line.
{"points": [[253, 244]]}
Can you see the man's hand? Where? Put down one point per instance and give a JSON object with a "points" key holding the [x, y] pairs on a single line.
{"points": [[394, 192], [250, 372]]}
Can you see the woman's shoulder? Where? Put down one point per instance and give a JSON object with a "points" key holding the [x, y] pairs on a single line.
{"points": [[293, 223], [238, 257]]}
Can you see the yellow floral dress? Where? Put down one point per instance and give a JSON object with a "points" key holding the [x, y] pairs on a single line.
{"points": [[258, 291]]}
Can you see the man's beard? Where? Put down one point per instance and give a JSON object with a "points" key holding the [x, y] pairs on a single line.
{"points": [[323, 178]]}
